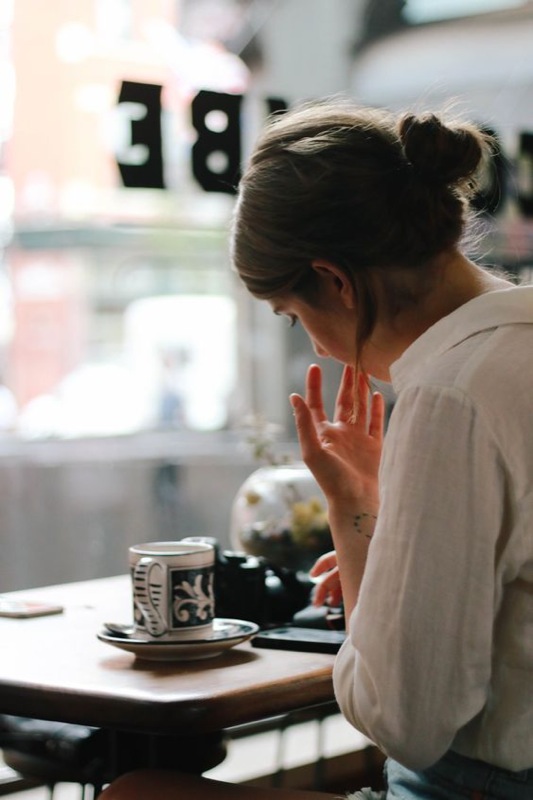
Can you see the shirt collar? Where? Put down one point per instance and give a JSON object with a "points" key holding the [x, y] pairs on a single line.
{"points": [[489, 310]]}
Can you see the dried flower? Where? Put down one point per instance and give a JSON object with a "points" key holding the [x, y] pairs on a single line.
{"points": [[261, 435]]}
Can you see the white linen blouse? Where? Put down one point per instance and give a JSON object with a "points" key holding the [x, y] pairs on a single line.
{"points": [[440, 646]]}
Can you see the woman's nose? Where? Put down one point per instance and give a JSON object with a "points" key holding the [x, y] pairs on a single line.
{"points": [[319, 351]]}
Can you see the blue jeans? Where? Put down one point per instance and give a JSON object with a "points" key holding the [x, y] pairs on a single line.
{"points": [[455, 777]]}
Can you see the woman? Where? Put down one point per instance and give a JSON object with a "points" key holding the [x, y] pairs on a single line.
{"points": [[352, 224]]}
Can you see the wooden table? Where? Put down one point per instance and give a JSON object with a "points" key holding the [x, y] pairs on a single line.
{"points": [[55, 668]]}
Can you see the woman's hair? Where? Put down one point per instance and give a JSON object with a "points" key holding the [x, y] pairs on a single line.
{"points": [[356, 187]]}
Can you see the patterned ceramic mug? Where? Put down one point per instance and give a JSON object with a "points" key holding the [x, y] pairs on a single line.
{"points": [[173, 592]]}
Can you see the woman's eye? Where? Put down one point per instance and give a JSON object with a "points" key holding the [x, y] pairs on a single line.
{"points": [[292, 319]]}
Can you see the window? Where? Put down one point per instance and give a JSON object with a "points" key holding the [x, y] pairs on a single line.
{"points": [[419, 11], [115, 293], [383, 17]]}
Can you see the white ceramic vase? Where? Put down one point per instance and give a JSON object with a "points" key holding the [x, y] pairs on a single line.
{"points": [[279, 513]]}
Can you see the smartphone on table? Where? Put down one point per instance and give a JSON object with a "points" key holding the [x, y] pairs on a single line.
{"points": [[292, 637], [26, 609]]}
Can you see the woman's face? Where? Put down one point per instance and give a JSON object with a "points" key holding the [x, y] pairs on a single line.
{"points": [[331, 322], [332, 331], [331, 328]]}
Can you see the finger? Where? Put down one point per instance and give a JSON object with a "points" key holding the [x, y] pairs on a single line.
{"points": [[377, 417], [345, 405], [314, 393], [329, 590], [305, 428], [334, 598], [323, 564], [320, 594]]}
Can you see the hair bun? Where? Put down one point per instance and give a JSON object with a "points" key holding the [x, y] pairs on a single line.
{"points": [[443, 153]]}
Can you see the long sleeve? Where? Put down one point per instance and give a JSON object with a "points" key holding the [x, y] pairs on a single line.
{"points": [[417, 663]]}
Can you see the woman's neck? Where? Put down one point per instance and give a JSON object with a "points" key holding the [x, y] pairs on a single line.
{"points": [[455, 281], [458, 280]]}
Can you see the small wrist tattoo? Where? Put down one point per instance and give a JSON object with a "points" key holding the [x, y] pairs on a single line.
{"points": [[358, 522]]}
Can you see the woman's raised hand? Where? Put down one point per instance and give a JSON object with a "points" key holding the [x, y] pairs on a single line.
{"points": [[343, 454]]}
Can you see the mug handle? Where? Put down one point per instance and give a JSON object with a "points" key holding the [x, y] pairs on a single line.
{"points": [[148, 593]]}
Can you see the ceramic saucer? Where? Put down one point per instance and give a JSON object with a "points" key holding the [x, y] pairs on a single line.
{"points": [[226, 633]]}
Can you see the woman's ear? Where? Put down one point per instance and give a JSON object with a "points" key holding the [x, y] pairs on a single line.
{"points": [[335, 280]]}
